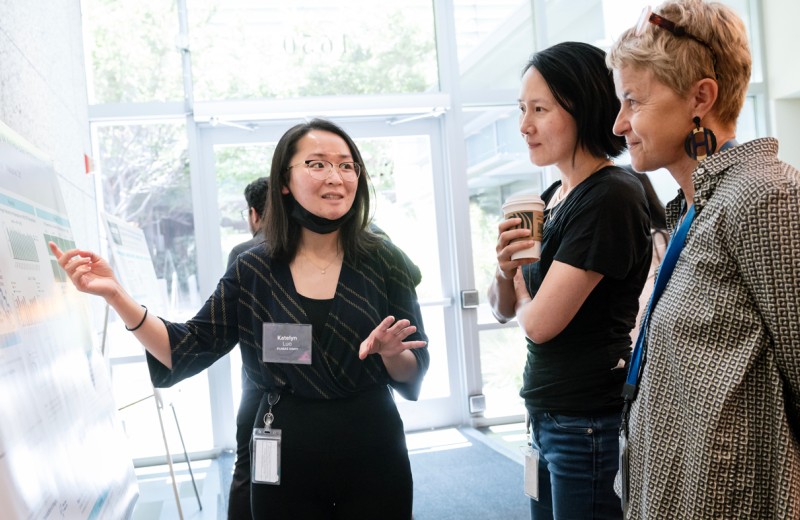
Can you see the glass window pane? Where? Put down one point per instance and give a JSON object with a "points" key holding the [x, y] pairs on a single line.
{"points": [[237, 166], [437, 379], [132, 51], [404, 207], [503, 354], [746, 128], [494, 40], [498, 166], [243, 49], [145, 180], [589, 21]]}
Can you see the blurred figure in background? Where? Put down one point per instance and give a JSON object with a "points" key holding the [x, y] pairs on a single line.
{"points": [[660, 236], [255, 194]]}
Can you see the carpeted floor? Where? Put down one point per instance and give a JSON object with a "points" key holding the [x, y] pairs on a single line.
{"points": [[466, 480], [457, 475]]}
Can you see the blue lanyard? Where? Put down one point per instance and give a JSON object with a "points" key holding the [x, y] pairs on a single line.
{"points": [[664, 273]]}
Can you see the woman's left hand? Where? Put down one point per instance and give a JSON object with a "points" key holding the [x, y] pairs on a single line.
{"points": [[388, 339]]}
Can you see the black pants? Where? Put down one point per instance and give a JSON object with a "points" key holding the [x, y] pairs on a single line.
{"points": [[239, 498], [340, 459]]}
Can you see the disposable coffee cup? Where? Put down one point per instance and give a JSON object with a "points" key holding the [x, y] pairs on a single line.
{"points": [[529, 208]]}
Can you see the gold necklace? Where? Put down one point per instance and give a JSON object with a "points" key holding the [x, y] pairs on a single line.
{"points": [[322, 270]]}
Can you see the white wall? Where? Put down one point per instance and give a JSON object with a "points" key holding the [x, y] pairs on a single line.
{"points": [[43, 96], [783, 74]]}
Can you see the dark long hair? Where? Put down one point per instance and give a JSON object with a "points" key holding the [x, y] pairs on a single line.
{"points": [[582, 84], [281, 232]]}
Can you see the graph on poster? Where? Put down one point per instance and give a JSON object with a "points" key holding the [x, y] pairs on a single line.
{"points": [[62, 450]]}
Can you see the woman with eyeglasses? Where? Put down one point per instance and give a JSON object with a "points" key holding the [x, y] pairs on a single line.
{"points": [[577, 304], [713, 395], [328, 321]]}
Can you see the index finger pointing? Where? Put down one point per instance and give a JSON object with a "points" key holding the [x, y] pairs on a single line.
{"points": [[57, 252]]}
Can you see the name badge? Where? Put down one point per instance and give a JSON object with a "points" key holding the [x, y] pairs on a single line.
{"points": [[531, 478], [286, 343], [265, 453]]}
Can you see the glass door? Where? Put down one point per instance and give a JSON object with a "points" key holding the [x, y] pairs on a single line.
{"points": [[410, 205]]}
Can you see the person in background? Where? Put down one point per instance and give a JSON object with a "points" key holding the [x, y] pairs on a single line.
{"points": [[577, 303], [660, 237], [713, 395], [255, 194], [327, 318]]}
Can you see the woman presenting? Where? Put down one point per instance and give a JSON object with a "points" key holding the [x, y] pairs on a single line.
{"points": [[327, 318]]}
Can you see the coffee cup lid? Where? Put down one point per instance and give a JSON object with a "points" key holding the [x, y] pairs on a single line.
{"points": [[522, 197]]}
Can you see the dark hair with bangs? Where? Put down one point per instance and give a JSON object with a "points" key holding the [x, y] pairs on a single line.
{"points": [[577, 75], [281, 232]]}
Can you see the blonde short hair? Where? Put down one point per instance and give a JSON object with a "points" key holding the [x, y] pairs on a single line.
{"points": [[680, 61]]}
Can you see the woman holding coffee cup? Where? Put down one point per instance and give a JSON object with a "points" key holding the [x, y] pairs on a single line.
{"points": [[577, 303]]}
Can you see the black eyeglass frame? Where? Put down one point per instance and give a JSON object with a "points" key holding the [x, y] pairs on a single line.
{"points": [[656, 19]]}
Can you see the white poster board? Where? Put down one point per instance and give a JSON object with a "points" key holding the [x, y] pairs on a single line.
{"points": [[133, 264], [63, 453]]}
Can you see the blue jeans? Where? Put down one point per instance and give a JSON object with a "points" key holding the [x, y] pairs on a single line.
{"points": [[578, 459]]}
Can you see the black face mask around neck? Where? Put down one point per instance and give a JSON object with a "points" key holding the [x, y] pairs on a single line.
{"points": [[312, 222]]}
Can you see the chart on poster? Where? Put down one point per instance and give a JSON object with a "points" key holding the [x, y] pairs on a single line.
{"points": [[63, 453]]}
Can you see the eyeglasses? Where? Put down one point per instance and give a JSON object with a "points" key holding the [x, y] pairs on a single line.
{"points": [[245, 213], [321, 170], [648, 16]]}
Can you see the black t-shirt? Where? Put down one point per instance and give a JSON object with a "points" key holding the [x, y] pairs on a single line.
{"points": [[603, 225]]}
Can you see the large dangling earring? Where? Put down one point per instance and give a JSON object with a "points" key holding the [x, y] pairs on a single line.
{"points": [[701, 142]]}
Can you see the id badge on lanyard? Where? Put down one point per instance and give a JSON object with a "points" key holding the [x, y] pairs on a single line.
{"points": [[624, 468], [265, 449]]}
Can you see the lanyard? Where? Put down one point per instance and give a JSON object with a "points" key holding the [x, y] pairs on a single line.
{"points": [[664, 273]]}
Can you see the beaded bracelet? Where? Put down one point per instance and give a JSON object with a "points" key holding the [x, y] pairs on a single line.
{"points": [[140, 323]]}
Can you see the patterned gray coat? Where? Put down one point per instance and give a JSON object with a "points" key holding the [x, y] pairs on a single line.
{"points": [[714, 429]]}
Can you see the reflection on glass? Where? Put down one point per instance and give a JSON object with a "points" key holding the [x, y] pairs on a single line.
{"points": [[132, 51], [244, 50]]}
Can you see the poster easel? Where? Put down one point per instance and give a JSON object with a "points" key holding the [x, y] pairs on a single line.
{"points": [[134, 267]]}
